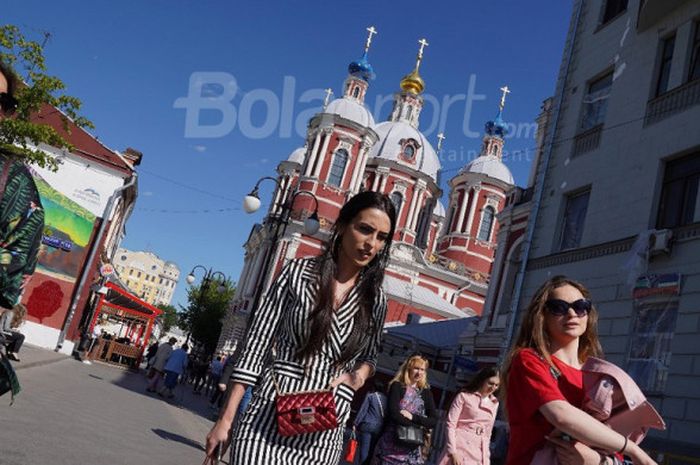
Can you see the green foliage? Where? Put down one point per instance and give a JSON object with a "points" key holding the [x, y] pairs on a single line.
{"points": [[169, 318], [207, 306], [18, 134]]}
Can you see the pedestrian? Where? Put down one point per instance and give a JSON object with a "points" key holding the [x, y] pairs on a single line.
{"points": [[369, 422], [200, 375], [215, 370], [543, 381], [318, 327], [9, 322], [411, 405], [470, 421], [150, 356], [162, 355], [21, 212], [174, 367]]}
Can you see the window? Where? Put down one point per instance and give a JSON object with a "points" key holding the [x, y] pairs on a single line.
{"points": [[409, 151], [409, 112], [694, 71], [612, 8], [665, 65], [679, 203], [338, 167], [356, 92], [397, 200], [486, 224], [123, 257], [650, 346], [131, 272], [574, 219], [595, 102], [138, 275]]}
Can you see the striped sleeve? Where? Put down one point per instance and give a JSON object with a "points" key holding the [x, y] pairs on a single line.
{"points": [[263, 328], [369, 354]]}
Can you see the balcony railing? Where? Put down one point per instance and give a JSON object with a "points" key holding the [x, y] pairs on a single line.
{"points": [[587, 140], [672, 102]]}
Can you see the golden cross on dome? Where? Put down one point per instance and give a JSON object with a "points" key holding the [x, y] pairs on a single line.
{"points": [[441, 137], [423, 43], [372, 31], [329, 92], [505, 91]]}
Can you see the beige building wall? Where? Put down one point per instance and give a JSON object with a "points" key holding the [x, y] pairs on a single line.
{"points": [[146, 275]]}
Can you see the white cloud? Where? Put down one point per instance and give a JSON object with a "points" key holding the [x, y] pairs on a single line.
{"points": [[200, 148]]}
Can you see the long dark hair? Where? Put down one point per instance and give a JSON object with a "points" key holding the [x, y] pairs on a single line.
{"points": [[368, 286], [478, 380]]}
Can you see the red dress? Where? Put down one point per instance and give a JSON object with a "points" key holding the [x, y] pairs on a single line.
{"points": [[531, 384]]}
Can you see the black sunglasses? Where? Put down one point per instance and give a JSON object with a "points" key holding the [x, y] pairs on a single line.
{"points": [[560, 307], [7, 102]]}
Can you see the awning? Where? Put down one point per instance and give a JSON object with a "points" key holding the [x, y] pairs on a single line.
{"points": [[123, 299], [420, 297]]}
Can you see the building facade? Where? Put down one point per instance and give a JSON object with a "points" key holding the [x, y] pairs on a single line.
{"points": [[616, 205], [147, 276], [441, 258]]}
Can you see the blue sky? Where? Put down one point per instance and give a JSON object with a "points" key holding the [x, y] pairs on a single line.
{"points": [[130, 61]]}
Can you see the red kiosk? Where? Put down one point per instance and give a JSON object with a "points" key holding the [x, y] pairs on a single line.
{"points": [[134, 319]]}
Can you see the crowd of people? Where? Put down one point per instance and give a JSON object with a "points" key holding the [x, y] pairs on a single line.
{"points": [[314, 340]]}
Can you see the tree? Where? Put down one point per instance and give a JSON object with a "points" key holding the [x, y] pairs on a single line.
{"points": [[169, 318], [202, 318], [21, 134]]}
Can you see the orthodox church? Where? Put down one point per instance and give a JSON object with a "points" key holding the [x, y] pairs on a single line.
{"points": [[442, 254]]}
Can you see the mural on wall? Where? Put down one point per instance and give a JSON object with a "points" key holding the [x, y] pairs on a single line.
{"points": [[67, 231], [74, 198]]}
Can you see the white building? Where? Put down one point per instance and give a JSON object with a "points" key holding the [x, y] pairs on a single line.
{"points": [[616, 201]]}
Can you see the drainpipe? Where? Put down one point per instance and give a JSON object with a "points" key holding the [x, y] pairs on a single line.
{"points": [[91, 256], [537, 197]]}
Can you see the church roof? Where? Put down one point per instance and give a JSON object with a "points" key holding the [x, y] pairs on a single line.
{"points": [[350, 110], [392, 136], [490, 166], [439, 209], [420, 297], [297, 156]]}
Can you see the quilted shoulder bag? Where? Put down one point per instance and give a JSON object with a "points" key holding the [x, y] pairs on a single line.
{"points": [[305, 411]]}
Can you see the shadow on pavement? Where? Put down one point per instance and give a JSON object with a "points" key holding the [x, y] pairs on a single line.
{"points": [[177, 438], [183, 398]]}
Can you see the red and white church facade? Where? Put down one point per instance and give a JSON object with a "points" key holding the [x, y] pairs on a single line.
{"points": [[441, 258]]}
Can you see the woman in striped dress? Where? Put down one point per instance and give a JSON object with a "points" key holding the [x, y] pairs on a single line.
{"points": [[324, 317]]}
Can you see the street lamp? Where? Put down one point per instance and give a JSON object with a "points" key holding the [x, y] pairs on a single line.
{"points": [[209, 276], [251, 203]]}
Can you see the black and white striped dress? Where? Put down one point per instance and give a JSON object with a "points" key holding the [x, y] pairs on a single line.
{"points": [[283, 319]]}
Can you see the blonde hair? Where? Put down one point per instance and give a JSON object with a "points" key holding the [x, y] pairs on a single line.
{"points": [[20, 312], [403, 375]]}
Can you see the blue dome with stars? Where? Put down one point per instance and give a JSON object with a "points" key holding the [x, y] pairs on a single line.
{"points": [[362, 68], [497, 127]]}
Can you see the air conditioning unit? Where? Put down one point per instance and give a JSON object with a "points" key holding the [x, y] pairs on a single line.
{"points": [[660, 241]]}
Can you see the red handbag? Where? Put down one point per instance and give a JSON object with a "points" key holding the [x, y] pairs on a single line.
{"points": [[304, 412], [352, 448]]}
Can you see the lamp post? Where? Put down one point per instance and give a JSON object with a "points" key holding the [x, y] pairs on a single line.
{"points": [[251, 203], [209, 276]]}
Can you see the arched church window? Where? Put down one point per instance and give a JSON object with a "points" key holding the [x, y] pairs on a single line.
{"points": [[486, 226], [397, 200], [340, 160], [409, 112], [356, 92], [409, 151]]}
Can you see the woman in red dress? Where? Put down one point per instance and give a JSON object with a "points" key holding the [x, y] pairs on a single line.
{"points": [[543, 382]]}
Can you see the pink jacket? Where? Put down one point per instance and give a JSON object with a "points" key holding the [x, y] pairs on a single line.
{"points": [[613, 398], [469, 424]]}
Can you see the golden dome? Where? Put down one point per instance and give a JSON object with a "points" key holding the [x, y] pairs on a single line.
{"points": [[413, 83]]}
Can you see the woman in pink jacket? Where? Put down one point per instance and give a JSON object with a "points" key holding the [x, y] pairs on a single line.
{"points": [[470, 421]]}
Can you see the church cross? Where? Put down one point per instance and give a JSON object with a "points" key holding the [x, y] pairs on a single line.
{"points": [[505, 91], [372, 31]]}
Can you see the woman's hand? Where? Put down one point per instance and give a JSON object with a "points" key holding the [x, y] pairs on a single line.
{"points": [[352, 379], [638, 456], [406, 414], [574, 452], [456, 459], [219, 435]]}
